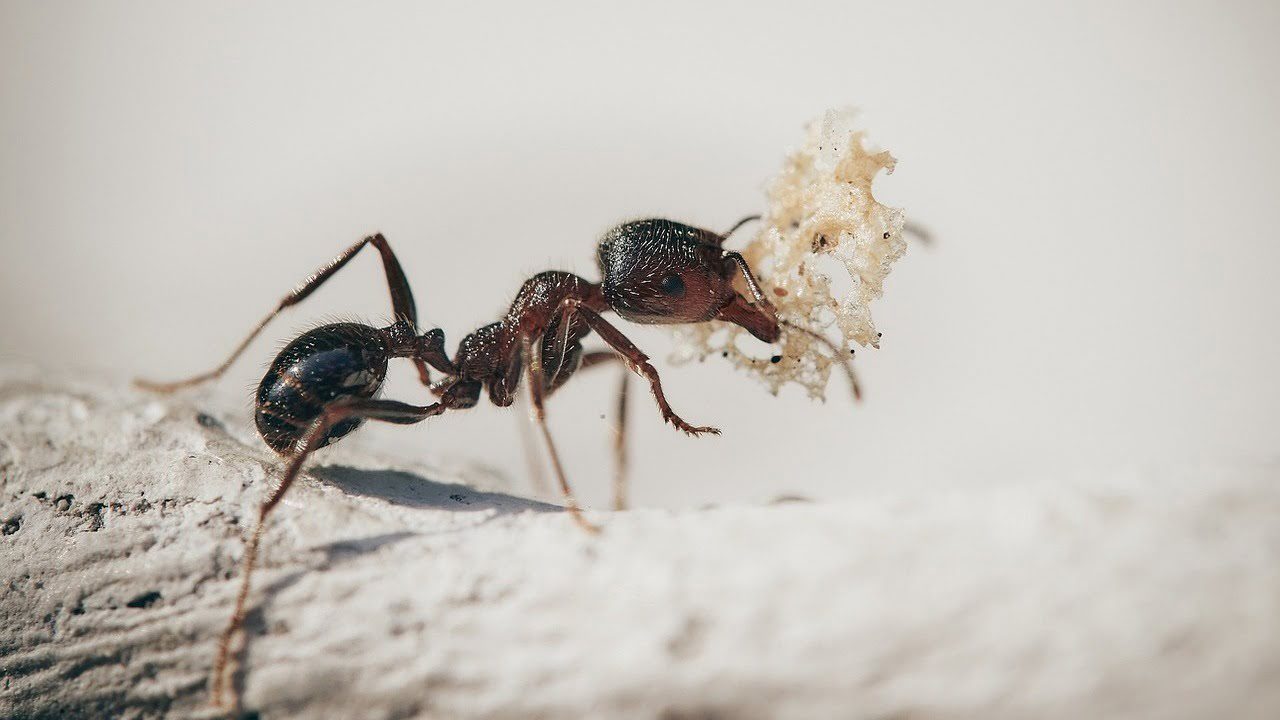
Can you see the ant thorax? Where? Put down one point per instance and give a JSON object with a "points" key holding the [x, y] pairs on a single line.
{"points": [[822, 217]]}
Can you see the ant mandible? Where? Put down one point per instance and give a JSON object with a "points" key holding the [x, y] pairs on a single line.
{"points": [[324, 384]]}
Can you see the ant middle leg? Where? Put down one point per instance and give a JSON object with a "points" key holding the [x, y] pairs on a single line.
{"points": [[620, 468], [402, 306], [620, 461], [531, 356], [384, 410]]}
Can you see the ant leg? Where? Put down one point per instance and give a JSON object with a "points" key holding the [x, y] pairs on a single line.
{"points": [[533, 371], [384, 410], [590, 359], [619, 430], [598, 357], [620, 446], [637, 361], [401, 305], [529, 446]]}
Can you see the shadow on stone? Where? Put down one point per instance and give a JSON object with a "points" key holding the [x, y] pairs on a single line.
{"points": [[404, 488], [336, 552], [254, 623], [394, 486]]}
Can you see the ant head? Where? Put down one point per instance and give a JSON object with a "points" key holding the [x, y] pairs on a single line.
{"points": [[663, 272]]}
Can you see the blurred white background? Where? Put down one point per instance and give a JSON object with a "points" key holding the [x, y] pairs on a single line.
{"points": [[1101, 180]]}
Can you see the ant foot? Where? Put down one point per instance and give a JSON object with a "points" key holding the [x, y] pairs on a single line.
{"points": [[694, 430], [581, 521]]}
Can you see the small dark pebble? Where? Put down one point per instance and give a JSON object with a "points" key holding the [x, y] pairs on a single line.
{"points": [[775, 359], [724, 354], [145, 600]]}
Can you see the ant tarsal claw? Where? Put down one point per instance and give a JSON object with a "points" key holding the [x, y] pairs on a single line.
{"points": [[694, 430]]}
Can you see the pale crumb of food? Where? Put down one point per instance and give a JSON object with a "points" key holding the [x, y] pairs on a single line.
{"points": [[822, 215]]}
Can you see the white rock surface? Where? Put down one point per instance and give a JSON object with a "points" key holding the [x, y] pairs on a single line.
{"points": [[391, 593]]}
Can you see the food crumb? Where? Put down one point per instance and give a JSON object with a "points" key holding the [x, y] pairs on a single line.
{"points": [[821, 209]]}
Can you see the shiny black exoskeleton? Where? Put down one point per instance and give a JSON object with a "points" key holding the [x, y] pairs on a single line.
{"points": [[343, 360]]}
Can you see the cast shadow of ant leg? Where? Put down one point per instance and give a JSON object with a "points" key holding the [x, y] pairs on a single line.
{"points": [[409, 490]]}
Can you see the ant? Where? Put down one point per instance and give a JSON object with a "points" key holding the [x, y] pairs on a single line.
{"points": [[325, 383]]}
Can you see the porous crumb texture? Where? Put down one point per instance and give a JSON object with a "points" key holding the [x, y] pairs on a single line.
{"points": [[822, 217], [389, 591]]}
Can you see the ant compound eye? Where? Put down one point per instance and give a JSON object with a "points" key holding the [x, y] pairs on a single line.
{"points": [[672, 286]]}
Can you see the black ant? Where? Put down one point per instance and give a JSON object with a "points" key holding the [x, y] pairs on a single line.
{"points": [[324, 384]]}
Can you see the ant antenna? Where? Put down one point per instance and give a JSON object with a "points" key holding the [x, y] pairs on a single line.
{"points": [[739, 224], [836, 355]]}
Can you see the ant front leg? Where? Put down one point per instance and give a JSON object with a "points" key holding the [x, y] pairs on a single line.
{"points": [[637, 361], [384, 410], [401, 305]]}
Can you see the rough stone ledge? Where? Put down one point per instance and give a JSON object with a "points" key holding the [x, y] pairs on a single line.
{"points": [[392, 592]]}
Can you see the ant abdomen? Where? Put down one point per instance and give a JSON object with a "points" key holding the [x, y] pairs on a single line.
{"points": [[323, 365]]}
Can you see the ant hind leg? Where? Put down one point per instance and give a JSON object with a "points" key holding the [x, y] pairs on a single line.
{"points": [[401, 305], [384, 410]]}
